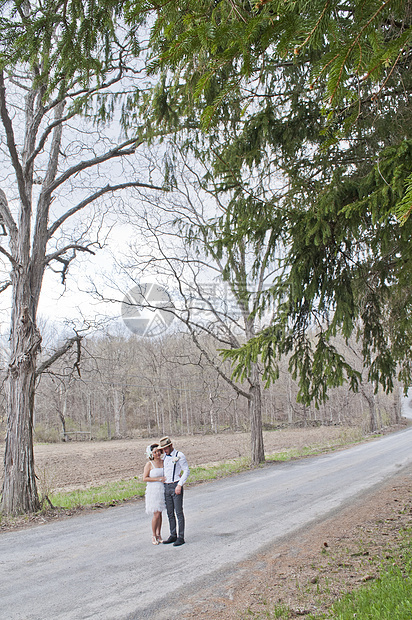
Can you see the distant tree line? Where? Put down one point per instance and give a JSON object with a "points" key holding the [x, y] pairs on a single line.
{"points": [[126, 386]]}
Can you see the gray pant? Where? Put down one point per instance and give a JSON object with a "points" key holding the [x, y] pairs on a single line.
{"points": [[174, 506]]}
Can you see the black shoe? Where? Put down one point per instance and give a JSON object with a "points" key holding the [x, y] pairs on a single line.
{"points": [[171, 539], [179, 541]]}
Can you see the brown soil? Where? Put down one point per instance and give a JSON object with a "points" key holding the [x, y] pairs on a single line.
{"points": [[306, 573]]}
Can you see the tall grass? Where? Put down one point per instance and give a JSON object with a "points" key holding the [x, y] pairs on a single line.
{"points": [[388, 598], [103, 495]]}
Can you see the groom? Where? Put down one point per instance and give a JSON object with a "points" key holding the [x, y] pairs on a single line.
{"points": [[176, 471]]}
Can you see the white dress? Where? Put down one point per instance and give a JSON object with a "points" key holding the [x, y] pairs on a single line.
{"points": [[155, 492]]}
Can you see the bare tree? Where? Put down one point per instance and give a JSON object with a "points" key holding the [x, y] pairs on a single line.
{"points": [[55, 165], [219, 283]]}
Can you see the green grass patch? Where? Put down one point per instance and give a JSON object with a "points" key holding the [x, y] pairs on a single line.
{"points": [[344, 440], [203, 473], [295, 453], [105, 494], [388, 598]]}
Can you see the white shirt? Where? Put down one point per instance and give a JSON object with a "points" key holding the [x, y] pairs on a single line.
{"points": [[181, 471]]}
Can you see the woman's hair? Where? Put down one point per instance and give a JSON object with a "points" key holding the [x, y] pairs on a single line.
{"points": [[152, 447]]}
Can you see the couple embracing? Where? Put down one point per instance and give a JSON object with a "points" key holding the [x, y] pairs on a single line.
{"points": [[165, 474]]}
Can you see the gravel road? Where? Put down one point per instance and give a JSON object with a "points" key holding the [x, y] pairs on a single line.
{"points": [[103, 566]]}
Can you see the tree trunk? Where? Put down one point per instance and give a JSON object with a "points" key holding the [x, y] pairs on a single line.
{"points": [[213, 424], [62, 412], [370, 399], [255, 413], [117, 413], [397, 405], [19, 488], [290, 406]]}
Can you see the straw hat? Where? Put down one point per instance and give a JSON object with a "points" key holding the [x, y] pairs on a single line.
{"points": [[164, 442]]}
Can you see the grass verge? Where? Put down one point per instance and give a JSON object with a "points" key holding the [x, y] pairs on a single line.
{"points": [[388, 598]]}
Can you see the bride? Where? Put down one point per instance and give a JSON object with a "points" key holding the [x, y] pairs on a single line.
{"points": [[155, 494]]}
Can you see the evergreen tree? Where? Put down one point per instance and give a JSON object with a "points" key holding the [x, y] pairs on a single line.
{"points": [[313, 99]]}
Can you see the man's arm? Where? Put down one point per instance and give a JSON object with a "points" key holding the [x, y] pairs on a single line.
{"points": [[185, 469]]}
